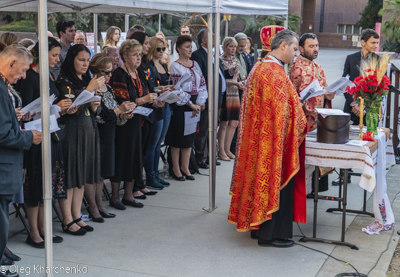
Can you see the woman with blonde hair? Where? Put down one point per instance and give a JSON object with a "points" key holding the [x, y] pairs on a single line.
{"points": [[112, 37], [229, 116], [9, 38], [166, 56]]}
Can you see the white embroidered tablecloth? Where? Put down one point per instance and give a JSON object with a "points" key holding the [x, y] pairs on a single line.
{"points": [[372, 159]]}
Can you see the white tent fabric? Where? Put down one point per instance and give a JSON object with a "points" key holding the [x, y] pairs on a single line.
{"points": [[249, 7]]}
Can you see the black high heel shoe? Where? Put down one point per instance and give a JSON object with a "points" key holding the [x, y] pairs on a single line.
{"points": [[11, 255], [188, 177], [95, 219], [182, 178]]}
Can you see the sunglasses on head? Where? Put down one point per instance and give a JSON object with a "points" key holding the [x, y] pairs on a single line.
{"points": [[107, 72], [159, 49], [64, 21]]}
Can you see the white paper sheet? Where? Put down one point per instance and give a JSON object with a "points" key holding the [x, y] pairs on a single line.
{"points": [[190, 123], [35, 106], [184, 79], [37, 124], [357, 142], [83, 98], [327, 112], [312, 90], [168, 97], [142, 111], [339, 85]]}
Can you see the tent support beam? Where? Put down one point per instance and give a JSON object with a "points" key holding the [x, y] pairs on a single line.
{"points": [[95, 28], [13, 3], [211, 115], [46, 140]]}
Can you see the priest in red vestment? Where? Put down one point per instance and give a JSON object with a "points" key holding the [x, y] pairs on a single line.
{"points": [[268, 183]]}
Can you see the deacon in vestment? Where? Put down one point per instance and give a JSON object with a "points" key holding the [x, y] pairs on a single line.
{"points": [[303, 72], [268, 183]]}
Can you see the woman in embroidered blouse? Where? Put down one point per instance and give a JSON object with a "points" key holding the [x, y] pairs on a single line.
{"points": [[128, 84], [81, 143], [230, 109], [193, 97], [111, 114]]}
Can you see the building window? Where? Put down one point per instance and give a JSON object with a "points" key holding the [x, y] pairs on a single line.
{"points": [[348, 29]]}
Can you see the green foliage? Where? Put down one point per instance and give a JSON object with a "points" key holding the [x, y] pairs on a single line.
{"points": [[391, 46], [391, 27], [19, 26], [370, 14]]}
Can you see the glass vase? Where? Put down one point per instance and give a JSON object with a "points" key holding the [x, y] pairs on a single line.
{"points": [[372, 118]]}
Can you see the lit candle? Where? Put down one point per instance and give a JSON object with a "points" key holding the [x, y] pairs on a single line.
{"points": [[69, 95], [169, 78], [69, 92], [361, 117]]}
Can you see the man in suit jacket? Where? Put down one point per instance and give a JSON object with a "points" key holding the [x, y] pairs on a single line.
{"points": [[369, 42], [14, 62], [200, 56]]}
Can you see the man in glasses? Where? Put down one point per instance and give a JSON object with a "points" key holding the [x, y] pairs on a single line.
{"points": [[80, 38], [184, 32], [66, 32]]}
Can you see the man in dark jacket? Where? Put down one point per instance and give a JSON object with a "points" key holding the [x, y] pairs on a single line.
{"points": [[200, 56], [369, 42], [14, 62]]}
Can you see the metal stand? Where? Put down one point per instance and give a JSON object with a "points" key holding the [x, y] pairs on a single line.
{"points": [[339, 209], [344, 173]]}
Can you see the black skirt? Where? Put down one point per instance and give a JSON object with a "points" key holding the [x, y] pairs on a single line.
{"points": [[128, 151], [107, 149], [175, 137]]}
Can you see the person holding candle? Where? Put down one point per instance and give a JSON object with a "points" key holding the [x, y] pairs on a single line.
{"points": [[230, 109], [111, 115], [81, 146], [160, 80], [29, 88], [128, 83]]}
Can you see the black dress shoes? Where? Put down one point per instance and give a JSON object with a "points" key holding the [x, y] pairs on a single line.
{"points": [[141, 196], [280, 243], [30, 241], [218, 163], [95, 219], [203, 165], [337, 181], [133, 203], [118, 205], [6, 261], [188, 177], [86, 227], [56, 239], [9, 274], [106, 215], [12, 256]]}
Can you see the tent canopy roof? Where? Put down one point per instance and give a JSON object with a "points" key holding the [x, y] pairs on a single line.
{"points": [[250, 7]]}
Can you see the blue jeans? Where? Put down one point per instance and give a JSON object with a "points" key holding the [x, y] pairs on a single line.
{"points": [[156, 137]]}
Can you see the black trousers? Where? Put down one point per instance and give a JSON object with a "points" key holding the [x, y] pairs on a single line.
{"points": [[201, 138], [281, 224], [5, 200]]}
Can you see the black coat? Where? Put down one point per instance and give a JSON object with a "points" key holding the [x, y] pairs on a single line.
{"points": [[351, 66], [200, 56]]}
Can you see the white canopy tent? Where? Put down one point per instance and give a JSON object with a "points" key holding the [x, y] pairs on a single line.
{"points": [[250, 7]]}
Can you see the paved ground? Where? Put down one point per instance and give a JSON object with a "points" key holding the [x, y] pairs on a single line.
{"points": [[173, 236]]}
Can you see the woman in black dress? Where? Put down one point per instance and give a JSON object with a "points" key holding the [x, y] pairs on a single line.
{"points": [[81, 145], [111, 114], [128, 84], [29, 89]]}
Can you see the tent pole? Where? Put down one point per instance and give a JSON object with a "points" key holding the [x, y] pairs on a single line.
{"points": [[126, 22], [211, 134], [46, 140], [159, 22], [213, 142], [285, 24], [95, 30]]}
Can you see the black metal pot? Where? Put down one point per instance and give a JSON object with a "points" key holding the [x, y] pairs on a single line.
{"points": [[333, 128]]}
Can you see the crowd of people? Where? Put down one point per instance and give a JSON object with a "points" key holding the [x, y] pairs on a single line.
{"points": [[105, 139]]}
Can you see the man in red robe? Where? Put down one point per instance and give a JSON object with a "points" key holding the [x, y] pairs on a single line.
{"points": [[268, 183], [302, 73]]}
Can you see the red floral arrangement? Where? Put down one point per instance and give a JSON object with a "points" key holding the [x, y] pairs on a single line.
{"points": [[372, 86]]}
